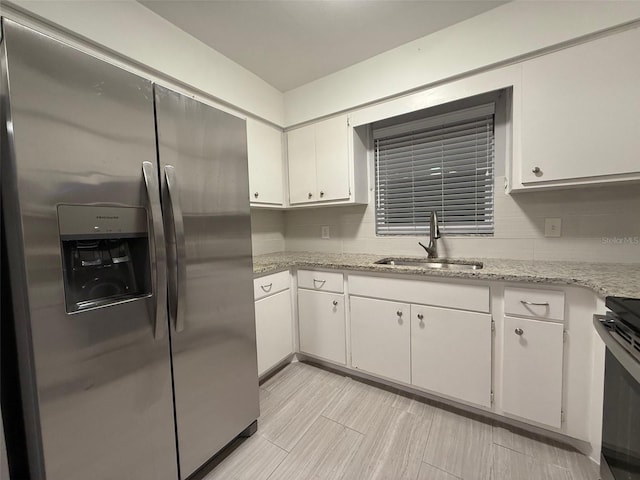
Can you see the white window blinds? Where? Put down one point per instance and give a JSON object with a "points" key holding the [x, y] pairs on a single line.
{"points": [[442, 163]]}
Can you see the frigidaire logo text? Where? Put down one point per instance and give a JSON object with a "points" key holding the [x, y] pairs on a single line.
{"points": [[107, 217]]}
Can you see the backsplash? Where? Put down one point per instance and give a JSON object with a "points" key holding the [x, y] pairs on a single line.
{"points": [[599, 224], [267, 231]]}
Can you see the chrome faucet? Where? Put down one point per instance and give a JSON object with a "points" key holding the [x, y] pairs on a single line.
{"points": [[434, 234]]}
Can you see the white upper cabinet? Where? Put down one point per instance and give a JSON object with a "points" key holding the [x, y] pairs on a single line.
{"points": [[327, 163], [580, 108], [264, 148], [332, 159], [301, 148]]}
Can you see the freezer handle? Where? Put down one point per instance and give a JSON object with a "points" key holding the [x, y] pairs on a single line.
{"points": [[158, 263], [178, 268]]}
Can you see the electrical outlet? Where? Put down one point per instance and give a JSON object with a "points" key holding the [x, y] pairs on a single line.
{"points": [[552, 227], [326, 232]]}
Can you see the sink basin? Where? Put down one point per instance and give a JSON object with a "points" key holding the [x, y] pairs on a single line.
{"points": [[436, 263]]}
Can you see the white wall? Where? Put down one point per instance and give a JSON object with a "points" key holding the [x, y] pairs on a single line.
{"points": [[267, 231], [131, 30], [590, 216], [509, 31]]}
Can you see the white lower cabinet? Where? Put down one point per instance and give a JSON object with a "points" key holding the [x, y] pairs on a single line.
{"points": [[321, 323], [532, 370], [274, 335], [451, 353], [380, 338]]}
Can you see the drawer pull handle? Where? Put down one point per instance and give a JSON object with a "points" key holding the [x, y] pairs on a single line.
{"points": [[420, 316], [321, 282], [399, 313], [519, 331], [266, 288], [335, 303], [256, 194], [536, 170], [535, 304]]}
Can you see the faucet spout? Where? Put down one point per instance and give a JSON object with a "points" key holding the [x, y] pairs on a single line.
{"points": [[434, 235]]}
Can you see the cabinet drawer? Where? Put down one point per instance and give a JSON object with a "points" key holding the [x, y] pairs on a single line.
{"points": [[439, 293], [322, 281], [270, 284], [527, 302]]}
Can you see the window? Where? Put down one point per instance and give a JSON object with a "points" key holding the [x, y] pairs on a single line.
{"points": [[443, 163]]}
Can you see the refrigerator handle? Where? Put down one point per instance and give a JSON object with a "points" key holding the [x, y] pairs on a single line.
{"points": [[178, 268], [158, 267]]}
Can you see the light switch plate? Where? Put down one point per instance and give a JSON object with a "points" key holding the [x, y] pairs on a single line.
{"points": [[552, 227], [326, 232]]}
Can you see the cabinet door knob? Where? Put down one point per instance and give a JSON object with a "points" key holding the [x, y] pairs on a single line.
{"points": [[420, 316], [519, 331], [399, 313], [321, 193], [536, 170], [335, 303], [255, 194], [310, 195]]}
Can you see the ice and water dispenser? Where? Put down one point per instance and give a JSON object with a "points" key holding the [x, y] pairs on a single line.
{"points": [[105, 253]]}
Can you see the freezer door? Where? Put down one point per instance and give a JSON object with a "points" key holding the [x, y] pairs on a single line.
{"points": [[203, 162], [96, 380]]}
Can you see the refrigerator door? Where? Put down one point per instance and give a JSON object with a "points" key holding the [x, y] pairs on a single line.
{"points": [[80, 180], [203, 161]]}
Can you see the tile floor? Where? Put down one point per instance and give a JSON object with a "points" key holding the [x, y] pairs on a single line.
{"points": [[318, 425]]}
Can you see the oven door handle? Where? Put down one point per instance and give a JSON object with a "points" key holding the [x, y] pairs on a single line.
{"points": [[628, 362]]}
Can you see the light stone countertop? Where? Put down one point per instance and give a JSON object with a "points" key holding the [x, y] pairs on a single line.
{"points": [[605, 279]]}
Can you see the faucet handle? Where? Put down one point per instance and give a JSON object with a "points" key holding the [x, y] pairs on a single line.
{"points": [[426, 249]]}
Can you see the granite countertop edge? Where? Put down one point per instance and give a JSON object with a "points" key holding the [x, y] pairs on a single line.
{"points": [[604, 279]]}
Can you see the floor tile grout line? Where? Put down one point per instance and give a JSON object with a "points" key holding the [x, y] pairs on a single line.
{"points": [[277, 466], [277, 446], [307, 429], [424, 450], [537, 459], [342, 425], [442, 470]]}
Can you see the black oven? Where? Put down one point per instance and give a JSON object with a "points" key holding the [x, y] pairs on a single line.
{"points": [[620, 330]]}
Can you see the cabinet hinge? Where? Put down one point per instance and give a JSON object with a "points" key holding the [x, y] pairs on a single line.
{"points": [[565, 335], [493, 326], [561, 416], [492, 397], [348, 122]]}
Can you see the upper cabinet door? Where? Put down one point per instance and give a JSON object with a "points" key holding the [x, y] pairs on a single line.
{"points": [[580, 113], [332, 159], [301, 146], [264, 144]]}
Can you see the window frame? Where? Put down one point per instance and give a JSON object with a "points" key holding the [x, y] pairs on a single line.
{"points": [[425, 120]]}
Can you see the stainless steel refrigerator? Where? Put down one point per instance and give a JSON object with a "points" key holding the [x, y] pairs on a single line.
{"points": [[126, 216]]}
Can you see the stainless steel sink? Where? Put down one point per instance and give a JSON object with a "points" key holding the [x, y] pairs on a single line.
{"points": [[438, 263]]}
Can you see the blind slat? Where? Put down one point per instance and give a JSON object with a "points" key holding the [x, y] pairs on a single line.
{"points": [[447, 168]]}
